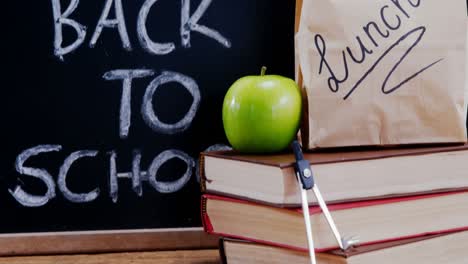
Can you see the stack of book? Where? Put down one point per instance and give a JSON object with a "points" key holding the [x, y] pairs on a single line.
{"points": [[406, 205]]}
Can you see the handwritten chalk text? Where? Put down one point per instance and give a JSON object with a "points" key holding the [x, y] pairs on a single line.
{"points": [[188, 24]]}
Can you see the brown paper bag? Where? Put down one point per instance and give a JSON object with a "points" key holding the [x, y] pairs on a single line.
{"points": [[382, 72]]}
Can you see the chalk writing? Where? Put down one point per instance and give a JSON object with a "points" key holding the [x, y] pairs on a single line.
{"points": [[125, 103], [136, 175], [145, 41], [61, 19], [191, 23], [147, 110], [113, 184], [118, 22], [187, 25], [18, 193], [62, 178], [174, 186]]}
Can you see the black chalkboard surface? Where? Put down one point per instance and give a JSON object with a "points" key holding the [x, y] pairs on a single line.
{"points": [[108, 104]]}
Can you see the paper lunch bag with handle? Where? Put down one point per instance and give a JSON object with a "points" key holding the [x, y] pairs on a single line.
{"points": [[382, 72]]}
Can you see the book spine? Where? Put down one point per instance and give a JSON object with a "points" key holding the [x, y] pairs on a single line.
{"points": [[201, 172], [207, 226], [222, 251]]}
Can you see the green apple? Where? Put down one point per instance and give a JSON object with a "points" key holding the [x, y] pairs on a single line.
{"points": [[261, 114]]}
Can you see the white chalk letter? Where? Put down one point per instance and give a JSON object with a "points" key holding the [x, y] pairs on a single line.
{"points": [[118, 22], [125, 103], [18, 193], [113, 183], [173, 186], [147, 109], [62, 19], [191, 23], [62, 179], [145, 41], [136, 173]]}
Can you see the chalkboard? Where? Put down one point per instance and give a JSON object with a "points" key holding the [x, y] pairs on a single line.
{"points": [[108, 103]]}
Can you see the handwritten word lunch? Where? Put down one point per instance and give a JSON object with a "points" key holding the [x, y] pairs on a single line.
{"points": [[392, 16], [62, 21]]}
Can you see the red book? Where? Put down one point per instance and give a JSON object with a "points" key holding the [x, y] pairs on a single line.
{"points": [[371, 222]]}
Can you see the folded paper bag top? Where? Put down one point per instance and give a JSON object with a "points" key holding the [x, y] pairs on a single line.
{"points": [[384, 72]]}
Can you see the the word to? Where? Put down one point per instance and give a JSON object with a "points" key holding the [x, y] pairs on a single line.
{"points": [[147, 110]]}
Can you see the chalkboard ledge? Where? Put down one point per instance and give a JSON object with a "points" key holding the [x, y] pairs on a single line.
{"points": [[105, 241]]}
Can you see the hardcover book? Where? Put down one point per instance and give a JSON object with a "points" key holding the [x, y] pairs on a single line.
{"points": [[343, 175], [435, 249], [370, 221]]}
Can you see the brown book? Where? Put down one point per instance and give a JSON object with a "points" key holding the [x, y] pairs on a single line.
{"points": [[371, 222], [341, 175], [437, 249]]}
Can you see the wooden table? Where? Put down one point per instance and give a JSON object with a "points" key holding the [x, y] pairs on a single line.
{"points": [[163, 257]]}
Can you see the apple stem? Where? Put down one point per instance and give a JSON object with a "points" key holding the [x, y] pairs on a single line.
{"points": [[262, 73]]}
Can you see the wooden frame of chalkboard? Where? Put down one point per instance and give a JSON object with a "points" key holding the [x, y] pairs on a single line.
{"points": [[105, 241]]}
